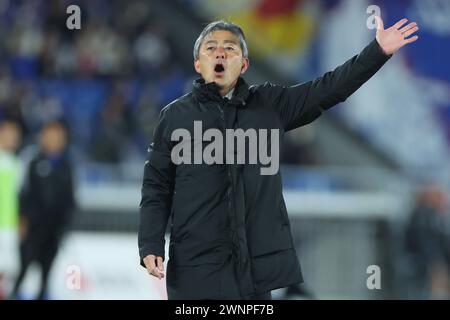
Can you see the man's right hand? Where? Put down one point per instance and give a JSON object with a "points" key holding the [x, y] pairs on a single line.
{"points": [[154, 265]]}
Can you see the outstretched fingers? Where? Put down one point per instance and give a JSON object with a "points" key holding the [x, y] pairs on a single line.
{"points": [[408, 27], [400, 23], [412, 39], [410, 32]]}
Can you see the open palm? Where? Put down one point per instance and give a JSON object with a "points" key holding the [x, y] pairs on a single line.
{"points": [[392, 39]]}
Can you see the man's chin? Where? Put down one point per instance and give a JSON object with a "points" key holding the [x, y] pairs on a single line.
{"points": [[218, 81], [221, 82]]}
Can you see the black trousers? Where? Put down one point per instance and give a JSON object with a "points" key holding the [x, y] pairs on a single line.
{"points": [[40, 248]]}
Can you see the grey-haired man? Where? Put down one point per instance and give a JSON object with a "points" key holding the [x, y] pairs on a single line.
{"points": [[230, 232]]}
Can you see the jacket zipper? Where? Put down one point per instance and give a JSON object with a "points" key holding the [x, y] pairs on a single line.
{"points": [[230, 181]]}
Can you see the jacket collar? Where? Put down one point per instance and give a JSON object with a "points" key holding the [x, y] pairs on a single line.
{"points": [[205, 92]]}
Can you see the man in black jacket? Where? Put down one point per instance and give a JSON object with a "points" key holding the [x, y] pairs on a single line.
{"points": [[230, 233], [47, 201]]}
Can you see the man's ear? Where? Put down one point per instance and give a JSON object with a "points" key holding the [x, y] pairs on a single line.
{"points": [[197, 66], [245, 65]]}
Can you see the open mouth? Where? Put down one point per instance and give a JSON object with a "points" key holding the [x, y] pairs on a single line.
{"points": [[219, 68]]}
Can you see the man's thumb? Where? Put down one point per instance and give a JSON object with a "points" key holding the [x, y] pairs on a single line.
{"points": [[379, 23]]}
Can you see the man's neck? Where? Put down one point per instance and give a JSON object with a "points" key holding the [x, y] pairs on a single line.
{"points": [[229, 95], [225, 92]]}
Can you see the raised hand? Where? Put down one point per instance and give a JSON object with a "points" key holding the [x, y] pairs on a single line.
{"points": [[392, 39]]}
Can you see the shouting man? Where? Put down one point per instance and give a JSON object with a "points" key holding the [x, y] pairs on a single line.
{"points": [[230, 232]]}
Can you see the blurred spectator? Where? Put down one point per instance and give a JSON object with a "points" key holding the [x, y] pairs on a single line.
{"points": [[10, 105], [9, 185], [38, 110], [101, 50], [428, 243], [146, 115], [50, 71], [113, 130], [151, 50], [46, 204]]}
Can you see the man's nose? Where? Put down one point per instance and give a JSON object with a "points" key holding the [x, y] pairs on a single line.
{"points": [[220, 53]]}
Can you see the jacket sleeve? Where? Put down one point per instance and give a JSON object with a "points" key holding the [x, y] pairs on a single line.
{"points": [[70, 203], [157, 190], [301, 104], [26, 195]]}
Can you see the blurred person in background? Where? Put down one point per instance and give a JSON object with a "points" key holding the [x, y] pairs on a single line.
{"points": [[47, 201], [230, 235], [10, 137], [113, 130], [49, 71], [428, 243]]}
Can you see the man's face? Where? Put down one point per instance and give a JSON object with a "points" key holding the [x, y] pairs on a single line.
{"points": [[53, 139], [220, 60], [10, 137]]}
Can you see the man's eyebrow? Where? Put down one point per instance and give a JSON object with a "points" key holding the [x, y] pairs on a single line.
{"points": [[230, 41], [225, 41]]}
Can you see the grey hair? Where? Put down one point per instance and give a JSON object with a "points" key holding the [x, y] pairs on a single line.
{"points": [[221, 25]]}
